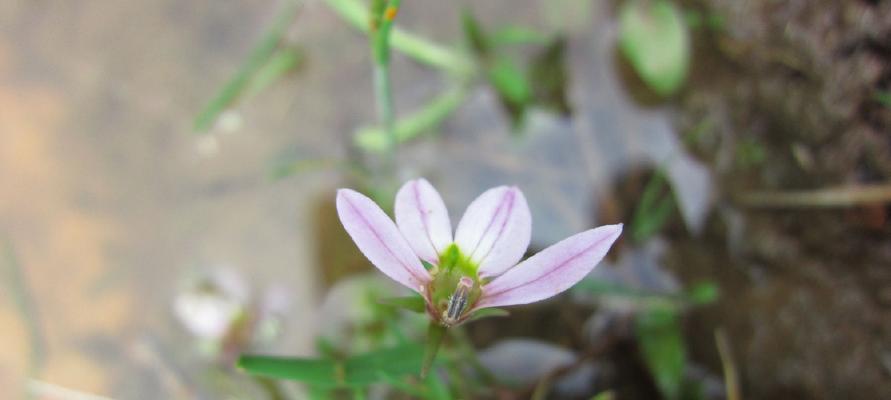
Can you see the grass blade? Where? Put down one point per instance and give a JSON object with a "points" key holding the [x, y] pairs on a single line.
{"points": [[257, 58]]}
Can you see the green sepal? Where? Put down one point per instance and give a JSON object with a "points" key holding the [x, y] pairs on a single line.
{"points": [[435, 334], [414, 303], [488, 313]]}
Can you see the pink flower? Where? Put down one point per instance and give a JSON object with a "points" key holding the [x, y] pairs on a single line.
{"points": [[480, 267]]}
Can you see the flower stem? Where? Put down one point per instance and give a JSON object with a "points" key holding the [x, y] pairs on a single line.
{"points": [[383, 93], [381, 23], [435, 334]]}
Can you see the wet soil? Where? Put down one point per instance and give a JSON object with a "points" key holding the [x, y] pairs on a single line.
{"points": [[805, 291]]}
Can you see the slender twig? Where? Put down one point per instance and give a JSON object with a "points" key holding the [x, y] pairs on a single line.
{"points": [[731, 382], [17, 288], [381, 26], [259, 56], [420, 49], [844, 196]]}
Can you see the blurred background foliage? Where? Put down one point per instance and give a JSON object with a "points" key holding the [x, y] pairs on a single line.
{"points": [[184, 155]]}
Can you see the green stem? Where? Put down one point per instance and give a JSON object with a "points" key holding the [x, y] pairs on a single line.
{"points": [[435, 334], [374, 139], [421, 49], [383, 92], [381, 23]]}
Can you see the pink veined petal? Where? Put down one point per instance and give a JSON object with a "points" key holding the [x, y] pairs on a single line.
{"points": [[422, 218], [495, 230], [552, 270], [379, 239]]}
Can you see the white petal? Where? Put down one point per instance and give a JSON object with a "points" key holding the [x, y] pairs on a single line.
{"points": [[379, 239], [495, 230], [422, 218], [552, 270]]}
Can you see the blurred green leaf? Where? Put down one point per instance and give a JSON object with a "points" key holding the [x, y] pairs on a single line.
{"points": [[356, 13], [476, 37], [412, 303], [281, 63], [374, 139], [356, 371], [285, 168], [511, 35], [488, 313], [654, 208], [703, 293], [606, 395], [883, 97], [549, 78], [435, 334], [15, 284], [662, 346], [505, 76], [436, 388], [509, 81], [260, 54], [655, 40]]}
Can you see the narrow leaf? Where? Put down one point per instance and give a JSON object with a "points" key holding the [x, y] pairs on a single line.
{"points": [[488, 313], [281, 63], [424, 120], [257, 58], [356, 13], [435, 334], [655, 40], [356, 371], [662, 347], [412, 303]]}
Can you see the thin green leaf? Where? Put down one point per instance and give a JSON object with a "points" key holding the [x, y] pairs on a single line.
{"points": [[368, 368], [475, 36], [512, 86], [655, 40], [703, 293], [549, 78], [426, 119], [281, 63], [509, 80], [435, 334], [356, 13], [436, 388], [284, 169], [255, 60], [320, 372], [662, 346], [488, 313], [357, 371], [512, 35], [883, 97], [654, 209], [15, 285], [607, 395], [412, 303]]}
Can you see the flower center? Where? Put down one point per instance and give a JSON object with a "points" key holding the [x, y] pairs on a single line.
{"points": [[457, 302], [455, 287]]}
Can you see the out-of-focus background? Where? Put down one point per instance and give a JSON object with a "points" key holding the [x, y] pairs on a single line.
{"points": [[746, 146]]}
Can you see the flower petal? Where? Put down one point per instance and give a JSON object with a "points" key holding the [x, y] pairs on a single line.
{"points": [[495, 230], [423, 219], [379, 239], [552, 270]]}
